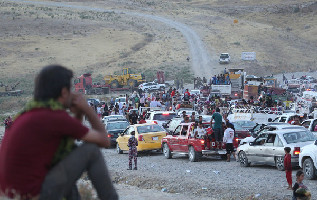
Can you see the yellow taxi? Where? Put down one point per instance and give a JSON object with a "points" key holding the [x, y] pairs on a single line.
{"points": [[149, 137]]}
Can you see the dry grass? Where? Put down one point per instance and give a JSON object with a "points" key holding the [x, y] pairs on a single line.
{"points": [[102, 43]]}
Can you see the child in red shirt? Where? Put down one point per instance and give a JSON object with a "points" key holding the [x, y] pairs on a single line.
{"points": [[288, 167]]}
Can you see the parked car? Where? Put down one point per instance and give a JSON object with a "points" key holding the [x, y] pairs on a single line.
{"points": [[151, 86], [241, 132], [224, 58], [271, 127], [308, 160], [246, 124], [149, 137], [159, 117], [268, 148], [311, 125], [114, 129], [256, 129], [171, 125], [105, 119], [182, 142]]}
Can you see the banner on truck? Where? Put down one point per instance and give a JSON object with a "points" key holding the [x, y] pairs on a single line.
{"points": [[248, 55]]}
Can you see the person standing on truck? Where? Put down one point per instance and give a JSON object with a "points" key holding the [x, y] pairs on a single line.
{"points": [[217, 127], [228, 140], [192, 117], [200, 131]]}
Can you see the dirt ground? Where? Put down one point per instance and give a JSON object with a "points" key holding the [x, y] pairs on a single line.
{"points": [[282, 33]]}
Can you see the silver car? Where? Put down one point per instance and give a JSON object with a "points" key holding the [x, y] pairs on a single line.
{"points": [[268, 147]]}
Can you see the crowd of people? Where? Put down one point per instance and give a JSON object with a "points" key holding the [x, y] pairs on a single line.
{"points": [[62, 162]]}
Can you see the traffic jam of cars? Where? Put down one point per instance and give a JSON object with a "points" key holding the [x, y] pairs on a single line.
{"points": [[183, 122], [174, 133]]}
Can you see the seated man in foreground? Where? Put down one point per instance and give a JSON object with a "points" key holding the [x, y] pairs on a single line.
{"points": [[38, 157]]}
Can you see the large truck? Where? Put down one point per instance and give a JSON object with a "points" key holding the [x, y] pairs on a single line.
{"points": [[84, 85]]}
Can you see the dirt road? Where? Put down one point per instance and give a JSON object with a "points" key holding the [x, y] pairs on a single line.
{"points": [[200, 58]]}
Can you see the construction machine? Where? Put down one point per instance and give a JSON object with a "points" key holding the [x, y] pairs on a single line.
{"points": [[9, 90], [126, 79]]}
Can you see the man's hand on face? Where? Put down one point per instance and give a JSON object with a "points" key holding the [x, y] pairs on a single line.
{"points": [[79, 104]]}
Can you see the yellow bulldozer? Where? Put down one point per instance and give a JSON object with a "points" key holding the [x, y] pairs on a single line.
{"points": [[126, 79]]}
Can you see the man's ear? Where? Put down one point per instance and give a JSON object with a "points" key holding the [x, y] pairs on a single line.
{"points": [[63, 98], [64, 92]]}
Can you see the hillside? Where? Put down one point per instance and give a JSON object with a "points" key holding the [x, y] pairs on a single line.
{"points": [[101, 37]]}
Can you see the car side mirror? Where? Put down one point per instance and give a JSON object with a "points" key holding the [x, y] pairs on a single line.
{"points": [[251, 144], [122, 134], [316, 142]]}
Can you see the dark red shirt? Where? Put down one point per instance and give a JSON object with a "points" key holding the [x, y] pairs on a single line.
{"points": [[287, 162], [28, 148]]}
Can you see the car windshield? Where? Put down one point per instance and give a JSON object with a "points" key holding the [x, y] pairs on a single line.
{"points": [[207, 118], [164, 116], [238, 126], [300, 136], [224, 56], [117, 125], [150, 129], [247, 123], [283, 119]]}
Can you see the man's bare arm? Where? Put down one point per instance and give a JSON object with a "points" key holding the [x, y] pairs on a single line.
{"points": [[98, 133]]}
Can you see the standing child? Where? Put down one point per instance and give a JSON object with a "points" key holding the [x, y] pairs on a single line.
{"points": [[288, 167], [133, 152], [300, 191], [228, 140]]}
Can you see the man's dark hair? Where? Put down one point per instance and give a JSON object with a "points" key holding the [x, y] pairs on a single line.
{"points": [[287, 149], [50, 82], [217, 109]]}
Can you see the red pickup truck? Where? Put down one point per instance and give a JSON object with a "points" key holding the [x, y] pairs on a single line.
{"points": [[182, 142]]}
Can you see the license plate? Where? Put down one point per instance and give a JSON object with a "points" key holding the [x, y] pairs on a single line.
{"points": [[154, 138]]}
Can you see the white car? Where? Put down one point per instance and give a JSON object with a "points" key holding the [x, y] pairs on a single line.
{"points": [[159, 117], [311, 125], [268, 148], [224, 58], [105, 119], [308, 160], [273, 127], [150, 86]]}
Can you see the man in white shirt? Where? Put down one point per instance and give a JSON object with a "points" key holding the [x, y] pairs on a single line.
{"points": [[200, 131], [155, 103], [228, 140]]}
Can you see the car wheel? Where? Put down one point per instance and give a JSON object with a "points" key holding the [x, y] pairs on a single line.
{"points": [[244, 162], [119, 151], [167, 152], [309, 169], [279, 163], [193, 155]]}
